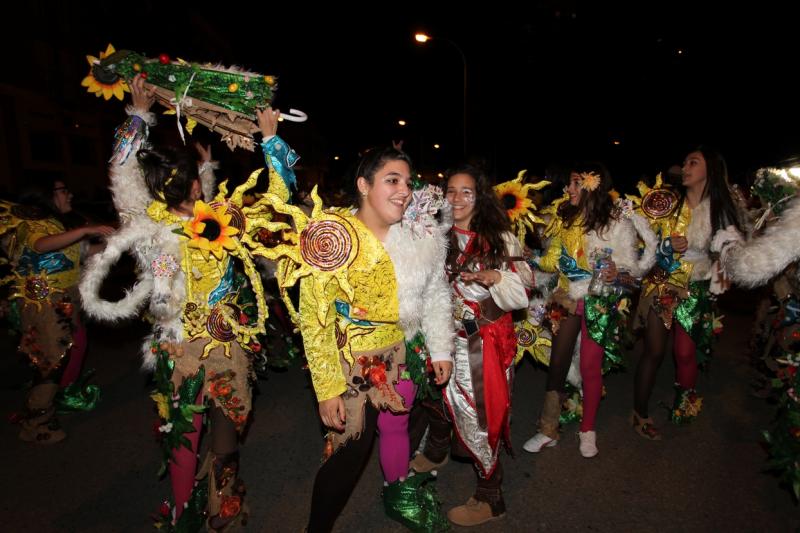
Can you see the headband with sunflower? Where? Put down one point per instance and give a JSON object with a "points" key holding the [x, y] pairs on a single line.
{"points": [[589, 181]]}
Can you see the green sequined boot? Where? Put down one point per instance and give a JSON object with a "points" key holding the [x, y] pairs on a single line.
{"points": [[414, 503]]}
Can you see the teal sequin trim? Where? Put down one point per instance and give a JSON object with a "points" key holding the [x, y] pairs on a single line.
{"points": [[51, 262], [343, 310], [224, 288], [569, 267], [281, 158]]}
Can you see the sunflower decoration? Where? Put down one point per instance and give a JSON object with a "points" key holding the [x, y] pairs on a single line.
{"points": [[100, 82], [325, 245], [655, 203], [532, 339], [210, 230], [513, 195], [224, 227], [590, 181]]}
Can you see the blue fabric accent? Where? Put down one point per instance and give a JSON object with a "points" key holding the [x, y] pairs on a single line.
{"points": [[51, 262], [569, 267], [282, 158], [791, 312], [224, 288], [343, 310], [665, 255]]}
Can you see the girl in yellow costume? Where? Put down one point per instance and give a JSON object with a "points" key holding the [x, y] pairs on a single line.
{"points": [[47, 263], [185, 250], [373, 303], [579, 308], [676, 294]]}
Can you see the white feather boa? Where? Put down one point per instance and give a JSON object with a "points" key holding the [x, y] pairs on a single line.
{"points": [[423, 292], [755, 262]]}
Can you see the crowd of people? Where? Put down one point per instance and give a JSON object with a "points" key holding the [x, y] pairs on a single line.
{"points": [[409, 304]]}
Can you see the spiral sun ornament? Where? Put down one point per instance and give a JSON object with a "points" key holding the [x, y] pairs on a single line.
{"points": [[326, 245], [532, 339], [655, 203]]}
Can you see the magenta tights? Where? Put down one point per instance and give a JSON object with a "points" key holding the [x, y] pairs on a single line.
{"points": [[75, 357], [183, 466], [685, 358], [591, 374], [393, 440]]}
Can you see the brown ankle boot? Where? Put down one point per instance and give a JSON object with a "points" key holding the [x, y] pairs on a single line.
{"points": [[40, 424], [551, 410], [472, 513]]}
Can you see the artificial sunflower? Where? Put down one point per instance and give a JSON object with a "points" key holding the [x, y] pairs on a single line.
{"points": [[590, 181], [210, 229], [513, 195], [102, 82]]}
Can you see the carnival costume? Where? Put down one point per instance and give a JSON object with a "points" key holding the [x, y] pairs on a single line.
{"points": [[46, 309], [478, 395], [677, 289], [203, 317], [773, 256], [369, 312], [571, 252]]}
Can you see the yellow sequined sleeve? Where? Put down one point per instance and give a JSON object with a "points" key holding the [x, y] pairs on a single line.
{"points": [[549, 261], [319, 341], [277, 186]]}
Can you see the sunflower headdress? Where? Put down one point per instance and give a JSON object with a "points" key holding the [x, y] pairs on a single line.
{"points": [[513, 195], [590, 181], [222, 99]]}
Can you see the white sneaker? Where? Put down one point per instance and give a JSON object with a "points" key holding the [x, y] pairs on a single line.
{"points": [[588, 446], [537, 442]]}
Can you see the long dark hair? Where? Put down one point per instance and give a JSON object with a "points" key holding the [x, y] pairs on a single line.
{"points": [[489, 220], [595, 207], [370, 163], [168, 174], [38, 194], [723, 210]]}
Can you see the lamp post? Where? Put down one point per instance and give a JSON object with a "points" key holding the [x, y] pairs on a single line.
{"points": [[423, 38]]}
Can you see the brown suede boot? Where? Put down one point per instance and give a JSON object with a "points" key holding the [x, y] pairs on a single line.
{"points": [[472, 513], [551, 410], [40, 424], [421, 464]]}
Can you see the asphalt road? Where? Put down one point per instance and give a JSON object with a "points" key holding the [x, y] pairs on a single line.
{"points": [[705, 477]]}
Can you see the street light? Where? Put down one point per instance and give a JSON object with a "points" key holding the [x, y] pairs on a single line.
{"points": [[423, 38]]}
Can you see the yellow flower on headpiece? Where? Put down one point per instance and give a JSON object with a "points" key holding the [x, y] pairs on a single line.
{"points": [[210, 229], [102, 83], [590, 181]]}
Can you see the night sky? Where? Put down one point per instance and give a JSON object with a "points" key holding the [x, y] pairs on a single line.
{"points": [[547, 84]]}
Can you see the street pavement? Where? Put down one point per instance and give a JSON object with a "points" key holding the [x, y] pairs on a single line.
{"points": [[705, 477]]}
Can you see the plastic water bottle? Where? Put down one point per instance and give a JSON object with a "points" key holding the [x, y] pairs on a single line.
{"points": [[598, 285]]}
